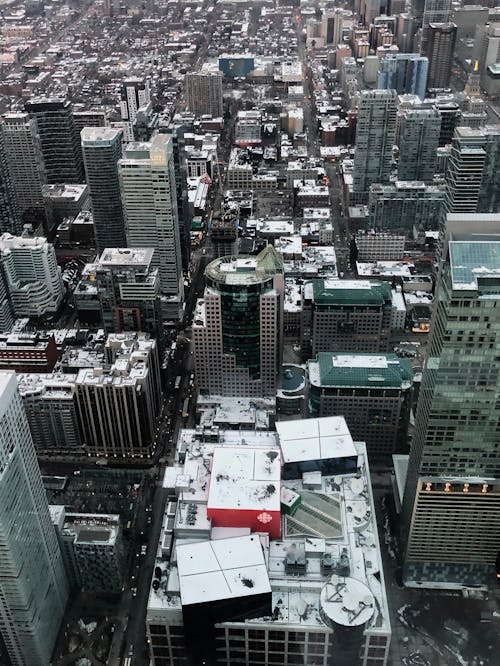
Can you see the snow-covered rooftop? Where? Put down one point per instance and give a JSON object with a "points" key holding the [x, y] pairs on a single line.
{"points": [[245, 478], [221, 569], [315, 439]]}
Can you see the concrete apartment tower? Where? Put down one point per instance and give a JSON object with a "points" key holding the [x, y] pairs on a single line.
{"points": [[33, 585], [147, 183], [237, 326], [59, 140], [204, 92], [32, 276], [451, 506], [135, 94], [23, 153], [102, 148], [375, 136]]}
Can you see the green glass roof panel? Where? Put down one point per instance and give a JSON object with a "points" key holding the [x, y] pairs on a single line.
{"points": [[470, 260]]}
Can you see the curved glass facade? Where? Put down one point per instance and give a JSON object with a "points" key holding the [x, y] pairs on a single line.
{"points": [[240, 313]]}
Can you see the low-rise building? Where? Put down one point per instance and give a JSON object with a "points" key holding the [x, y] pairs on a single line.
{"points": [[27, 352], [312, 592]]}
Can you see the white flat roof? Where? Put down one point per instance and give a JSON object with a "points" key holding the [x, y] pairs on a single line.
{"points": [[353, 361], [315, 439], [221, 569], [245, 478]]}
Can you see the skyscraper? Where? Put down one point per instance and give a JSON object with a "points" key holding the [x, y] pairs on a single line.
{"points": [[10, 217], [464, 174], [237, 326], [375, 134], [33, 586], [27, 169], [451, 509], [418, 143], [431, 11], [102, 148], [59, 141], [204, 92], [331, 27], [147, 183], [440, 51], [406, 73]]}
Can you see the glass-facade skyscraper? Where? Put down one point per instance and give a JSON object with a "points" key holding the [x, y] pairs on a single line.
{"points": [[237, 327], [33, 585], [452, 498], [102, 148]]}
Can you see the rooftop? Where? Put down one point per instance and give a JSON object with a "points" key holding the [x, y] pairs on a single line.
{"points": [[360, 370], [246, 270], [245, 478], [221, 569], [118, 256], [350, 292], [470, 261], [315, 439]]}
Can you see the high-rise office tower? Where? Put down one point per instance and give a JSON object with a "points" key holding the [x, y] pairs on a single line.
{"points": [[204, 92], [405, 31], [83, 119], [464, 173], [59, 141], [32, 275], [489, 194], [10, 216], [6, 313], [147, 183], [177, 129], [369, 9], [431, 11], [375, 134], [238, 326], [33, 585], [418, 144], [331, 27], [472, 176], [451, 508], [406, 73], [440, 51], [135, 94], [487, 47], [450, 113], [102, 148]]}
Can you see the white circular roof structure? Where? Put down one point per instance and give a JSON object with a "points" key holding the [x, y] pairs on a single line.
{"points": [[347, 602]]}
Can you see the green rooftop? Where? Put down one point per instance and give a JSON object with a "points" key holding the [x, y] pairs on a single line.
{"points": [[360, 370], [351, 292]]}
